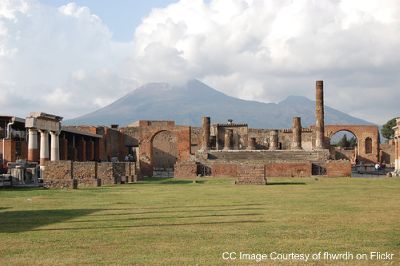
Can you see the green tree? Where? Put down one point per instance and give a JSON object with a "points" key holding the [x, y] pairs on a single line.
{"points": [[387, 129], [352, 142], [343, 142]]}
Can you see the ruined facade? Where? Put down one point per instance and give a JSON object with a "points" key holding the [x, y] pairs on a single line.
{"points": [[162, 148]]}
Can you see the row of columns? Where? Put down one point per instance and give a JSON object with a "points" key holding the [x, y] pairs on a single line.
{"points": [[83, 151], [273, 138], [44, 155]]}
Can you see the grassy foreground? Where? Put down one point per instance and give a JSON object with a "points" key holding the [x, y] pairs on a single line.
{"points": [[176, 222]]}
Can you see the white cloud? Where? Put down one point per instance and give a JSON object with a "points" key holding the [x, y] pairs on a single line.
{"points": [[57, 60], [263, 50], [267, 50]]}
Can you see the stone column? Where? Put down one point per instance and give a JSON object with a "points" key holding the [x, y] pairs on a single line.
{"points": [[55, 146], [228, 139], [33, 147], [273, 140], [251, 145], [44, 147], [206, 133], [296, 133], [319, 114]]}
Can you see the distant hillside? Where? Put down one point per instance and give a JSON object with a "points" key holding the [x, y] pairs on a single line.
{"points": [[188, 103]]}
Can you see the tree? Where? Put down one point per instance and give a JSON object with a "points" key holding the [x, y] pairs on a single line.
{"points": [[352, 142], [387, 129], [343, 142]]}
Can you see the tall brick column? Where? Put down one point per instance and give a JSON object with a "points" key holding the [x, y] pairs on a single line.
{"points": [[273, 140], [296, 134], [251, 145], [205, 133], [319, 113], [33, 147], [228, 139]]}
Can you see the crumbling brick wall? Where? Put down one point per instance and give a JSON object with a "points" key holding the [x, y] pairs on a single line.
{"points": [[185, 170], [338, 168], [288, 169], [224, 169], [251, 174]]}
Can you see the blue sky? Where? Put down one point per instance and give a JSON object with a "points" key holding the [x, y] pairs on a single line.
{"points": [[121, 16]]}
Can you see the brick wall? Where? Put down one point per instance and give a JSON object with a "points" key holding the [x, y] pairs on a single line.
{"points": [[224, 170], [185, 170], [251, 174], [340, 168], [288, 169]]}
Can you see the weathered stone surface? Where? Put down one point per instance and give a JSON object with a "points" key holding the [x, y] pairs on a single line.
{"points": [[58, 183], [84, 170], [58, 170], [288, 169], [224, 169], [185, 170], [253, 174], [338, 168]]}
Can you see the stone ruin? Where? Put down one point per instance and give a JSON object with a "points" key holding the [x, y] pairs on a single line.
{"points": [[91, 156]]}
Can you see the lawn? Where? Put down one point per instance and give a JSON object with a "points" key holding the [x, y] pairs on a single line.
{"points": [[180, 222]]}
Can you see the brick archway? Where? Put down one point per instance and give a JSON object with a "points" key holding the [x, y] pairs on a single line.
{"points": [[164, 152], [149, 130], [367, 140]]}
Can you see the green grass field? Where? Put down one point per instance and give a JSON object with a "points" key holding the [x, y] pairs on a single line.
{"points": [[176, 222]]}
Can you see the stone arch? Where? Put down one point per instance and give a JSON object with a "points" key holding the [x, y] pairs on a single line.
{"points": [[164, 152], [338, 153], [363, 133]]}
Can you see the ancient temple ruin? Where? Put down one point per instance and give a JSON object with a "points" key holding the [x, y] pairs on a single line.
{"points": [[162, 148]]}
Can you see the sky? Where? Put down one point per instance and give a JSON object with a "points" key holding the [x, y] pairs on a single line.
{"points": [[71, 58]]}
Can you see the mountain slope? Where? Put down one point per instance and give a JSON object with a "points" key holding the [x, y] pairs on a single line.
{"points": [[188, 103]]}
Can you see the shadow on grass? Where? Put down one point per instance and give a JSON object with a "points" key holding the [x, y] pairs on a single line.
{"points": [[168, 181], [172, 211], [91, 227], [285, 183], [20, 221], [165, 217]]}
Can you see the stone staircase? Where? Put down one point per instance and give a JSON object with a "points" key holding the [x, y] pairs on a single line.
{"points": [[265, 156]]}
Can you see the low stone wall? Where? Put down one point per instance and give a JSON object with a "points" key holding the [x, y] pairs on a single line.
{"points": [[58, 183], [224, 169], [58, 174], [85, 173], [251, 174], [105, 172], [341, 168], [288, 169], [185, 170], [57, 170]]}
